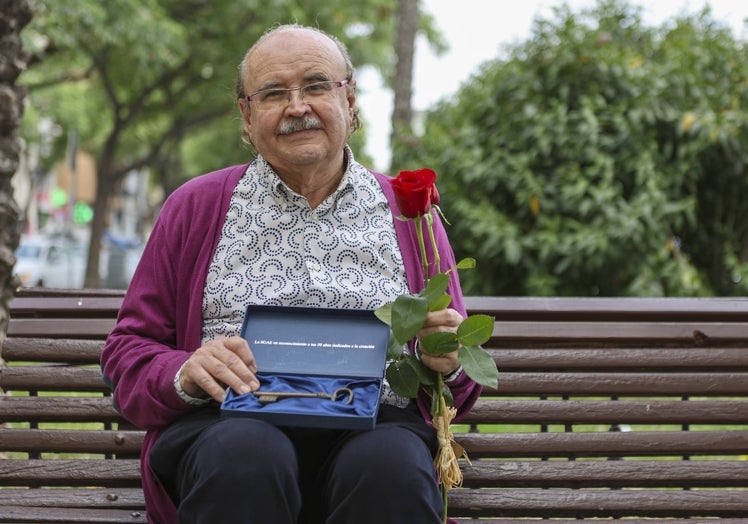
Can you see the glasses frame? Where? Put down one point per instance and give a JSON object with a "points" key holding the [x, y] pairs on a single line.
{"points": [[288, 90]]}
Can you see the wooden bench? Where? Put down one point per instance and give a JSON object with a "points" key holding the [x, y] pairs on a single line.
{"points": [[628, 409]]}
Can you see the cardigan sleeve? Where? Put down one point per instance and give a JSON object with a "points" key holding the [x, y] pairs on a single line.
{"points": [[160, 321], [140, 357]]}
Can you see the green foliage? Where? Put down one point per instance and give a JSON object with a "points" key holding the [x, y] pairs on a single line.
{"points": [[600, 157], [153, 81], [475, 330], [150, 84], [478, 365], [406, 316]]}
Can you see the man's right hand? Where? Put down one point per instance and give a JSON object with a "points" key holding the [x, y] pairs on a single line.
{"points": [[220, 363]]}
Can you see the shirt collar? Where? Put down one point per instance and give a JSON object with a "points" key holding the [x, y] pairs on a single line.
{"points": [[285, 196]]}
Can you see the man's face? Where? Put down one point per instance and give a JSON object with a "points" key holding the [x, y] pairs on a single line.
{"points": [[299, 133]]}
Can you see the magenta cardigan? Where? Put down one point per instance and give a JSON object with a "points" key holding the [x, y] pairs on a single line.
{"points": [[160, 321]]}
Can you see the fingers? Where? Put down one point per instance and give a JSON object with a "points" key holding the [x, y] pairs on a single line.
{"points": [[446, 363], [218, 364], [443, 320]]}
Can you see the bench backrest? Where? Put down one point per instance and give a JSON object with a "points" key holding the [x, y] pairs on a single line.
{"points": [[58, 419], [610, 408], [605, 408]]}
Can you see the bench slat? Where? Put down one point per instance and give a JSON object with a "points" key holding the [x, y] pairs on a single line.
{"points": [[58, 409], [605, 473], [631, 309], [473, 520], [32, 349], [79, 306], [66, 472], [26, 515], [73, 498], [52, 378], [608, 332], [623, 384], [605, 444], [491, 411], [594, 503], [61, 327], [71, 441], [652, 359]]}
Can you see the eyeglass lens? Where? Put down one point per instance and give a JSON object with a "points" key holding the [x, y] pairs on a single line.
{"points": [[275, 98]]}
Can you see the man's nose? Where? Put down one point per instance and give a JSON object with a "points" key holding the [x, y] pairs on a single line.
{"points": [[296, 99]]}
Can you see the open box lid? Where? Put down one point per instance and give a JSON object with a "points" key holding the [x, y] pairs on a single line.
{"points": [[316, 341]]}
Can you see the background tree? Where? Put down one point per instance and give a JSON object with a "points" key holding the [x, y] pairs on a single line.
{"points": [[150, 83], [14, 15], [600, 157], [410, 21], [408, 17]]}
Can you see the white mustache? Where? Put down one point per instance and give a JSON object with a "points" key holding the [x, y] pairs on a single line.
{"points": [[299, 124]]}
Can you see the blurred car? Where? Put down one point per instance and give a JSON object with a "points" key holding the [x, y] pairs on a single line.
{"points": [[60, 262], [119, 258], [46, 262]]}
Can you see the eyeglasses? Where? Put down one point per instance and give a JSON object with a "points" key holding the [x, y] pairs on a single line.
{"points": [[277, 98]]}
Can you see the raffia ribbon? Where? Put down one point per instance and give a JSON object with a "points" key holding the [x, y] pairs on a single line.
{"points": [[449, 450]]}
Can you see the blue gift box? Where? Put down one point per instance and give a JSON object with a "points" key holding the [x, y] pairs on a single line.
{"points": [[314, 350]]}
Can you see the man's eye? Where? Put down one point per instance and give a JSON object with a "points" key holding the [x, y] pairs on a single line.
{"points": [[316, 88], [274, 94]]}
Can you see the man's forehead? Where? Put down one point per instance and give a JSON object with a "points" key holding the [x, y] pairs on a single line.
{"points": [[284, 40], [279, 53]]}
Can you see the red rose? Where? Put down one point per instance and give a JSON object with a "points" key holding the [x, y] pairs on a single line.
{"points": [[415, 192]]}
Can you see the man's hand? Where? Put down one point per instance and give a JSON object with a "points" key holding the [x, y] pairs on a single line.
{"points": [[218, 364], [443, 320]]}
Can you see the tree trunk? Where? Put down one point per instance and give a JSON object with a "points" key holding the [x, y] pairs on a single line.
{"points": [[98, 225], [14, 15], [402, 114]]}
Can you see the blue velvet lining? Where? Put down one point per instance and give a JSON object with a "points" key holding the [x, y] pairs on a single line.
{"points": [[365, 396]]}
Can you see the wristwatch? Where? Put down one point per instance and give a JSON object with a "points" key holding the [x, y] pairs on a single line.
{"points": [[189, 399], [454, 375]]}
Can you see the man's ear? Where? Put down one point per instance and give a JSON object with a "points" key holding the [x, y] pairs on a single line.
{"points": [[351, 96], [243, 106]]}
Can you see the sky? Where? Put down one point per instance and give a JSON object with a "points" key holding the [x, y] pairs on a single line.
{"points": [[476, 31]]}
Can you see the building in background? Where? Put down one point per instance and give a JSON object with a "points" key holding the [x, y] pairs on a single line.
{"points": [[56, 210]]}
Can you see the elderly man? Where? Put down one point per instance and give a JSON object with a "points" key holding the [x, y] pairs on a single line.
{"points": [[303, 224]]}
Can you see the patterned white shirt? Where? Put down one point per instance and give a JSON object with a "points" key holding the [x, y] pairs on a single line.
{"points": [[275, 250]]}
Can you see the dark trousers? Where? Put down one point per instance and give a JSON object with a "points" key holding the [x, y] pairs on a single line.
{"points": [[242, 470]]}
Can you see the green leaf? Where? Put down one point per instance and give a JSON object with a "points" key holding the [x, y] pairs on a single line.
{"points": [[408, 315], [475, 330], [403, 379], [384, 313], [394, 348], [435, 404], [441, 214], [440, 342], [479, 366], [426, 375], [448, 398], [436, 287], [466, 263], [440, 303]]}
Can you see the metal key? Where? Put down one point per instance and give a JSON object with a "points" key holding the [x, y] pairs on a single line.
{"points": [[266, 397]]}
